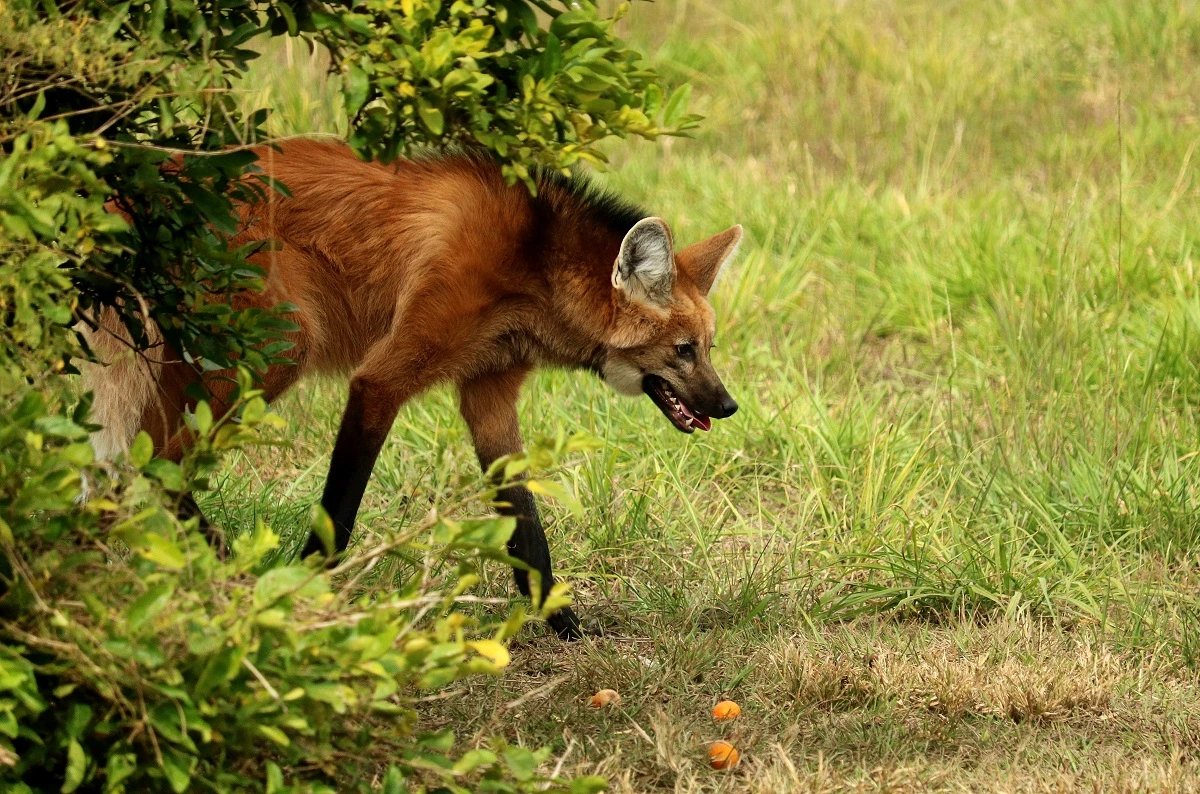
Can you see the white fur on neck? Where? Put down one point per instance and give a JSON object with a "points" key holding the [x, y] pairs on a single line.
{"points": [[623, 377]]}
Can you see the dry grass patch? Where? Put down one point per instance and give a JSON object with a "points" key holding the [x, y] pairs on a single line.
{"points": [[874, 705]]}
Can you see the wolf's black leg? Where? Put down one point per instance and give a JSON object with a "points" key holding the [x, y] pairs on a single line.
{"points": [[489, 406], [365, 425], [528, 544]]}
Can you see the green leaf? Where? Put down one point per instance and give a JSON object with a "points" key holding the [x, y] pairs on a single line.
{"points": [[214, 206], [221, 667], [162, 551], [60, 427], [339, 696], [120, 767], [76, 767], [441, 741], [652, 102], [166, 719], [288, 580], [274, 734], [204, 417], [521, 762], [39, 105], [322, 526], [488, 533], [80, 454], [495, 652], [149, 604], [323, 20], [677, 105], [142, 450], [178, 770], [558, 598], [249, 548], [357, 86], [393, 781], [431, 117], [359, 23], [166, 472], [558, 492], [588, 785], [254, 411], [288, 17], [78, 718], [473, 759], [31, 406]]}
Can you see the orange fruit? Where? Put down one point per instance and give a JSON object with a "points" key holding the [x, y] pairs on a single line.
{"points": [[726, 710], [606, 697], [722, 755]]}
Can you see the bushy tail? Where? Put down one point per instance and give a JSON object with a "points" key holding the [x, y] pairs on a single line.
{"points": [[123, 383]]}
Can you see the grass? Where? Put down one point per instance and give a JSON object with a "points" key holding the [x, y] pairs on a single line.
{"points": [[948, 542]]}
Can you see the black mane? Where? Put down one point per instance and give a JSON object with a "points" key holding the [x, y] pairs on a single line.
{"points": [[555, 190], [599, 204]]}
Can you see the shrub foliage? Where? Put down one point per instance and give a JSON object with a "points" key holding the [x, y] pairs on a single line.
{"points": [[136, 660], [132, 658]]}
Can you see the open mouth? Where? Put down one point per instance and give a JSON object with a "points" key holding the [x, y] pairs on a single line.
{"points": [[684, 418]]}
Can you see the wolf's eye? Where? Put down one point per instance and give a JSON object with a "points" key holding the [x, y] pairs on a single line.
{"points": [[686, 350]]}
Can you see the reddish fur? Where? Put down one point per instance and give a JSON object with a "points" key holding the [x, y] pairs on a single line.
{"points": [[421, 272]]}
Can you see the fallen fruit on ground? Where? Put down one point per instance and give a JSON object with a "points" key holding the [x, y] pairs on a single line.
{"points": [[722, 755], [726, 710], [606, 697]]}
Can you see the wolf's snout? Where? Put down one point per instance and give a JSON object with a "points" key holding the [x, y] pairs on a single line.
{"points": [[726, 406]]}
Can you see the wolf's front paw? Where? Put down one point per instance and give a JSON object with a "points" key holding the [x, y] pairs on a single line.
{"points": [[566, 624]]}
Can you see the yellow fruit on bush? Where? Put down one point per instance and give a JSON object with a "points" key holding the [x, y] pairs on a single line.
{"points": [[606, 697], [722, 755], [726, 710]]}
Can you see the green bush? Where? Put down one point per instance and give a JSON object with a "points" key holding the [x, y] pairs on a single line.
{"points": [[133, 658], [100, 96]]}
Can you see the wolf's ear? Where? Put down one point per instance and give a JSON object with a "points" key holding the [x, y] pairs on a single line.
{"points": [[645, 267], [704, 260]]}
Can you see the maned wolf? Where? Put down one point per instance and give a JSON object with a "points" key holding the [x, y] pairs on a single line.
{"points": [[434, 270]]}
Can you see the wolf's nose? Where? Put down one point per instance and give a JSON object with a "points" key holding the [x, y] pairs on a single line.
{"points": [[728, 407]]}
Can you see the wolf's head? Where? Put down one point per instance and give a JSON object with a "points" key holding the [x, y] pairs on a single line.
{"points": [[662, 331]]}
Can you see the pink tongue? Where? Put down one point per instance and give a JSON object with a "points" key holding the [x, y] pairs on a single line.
{"points": [[698, 419]]}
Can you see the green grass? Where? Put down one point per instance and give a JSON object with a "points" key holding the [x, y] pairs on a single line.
{"points": [[949, 541]]}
